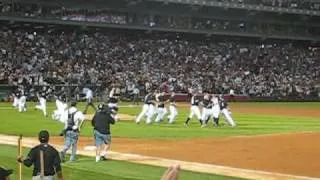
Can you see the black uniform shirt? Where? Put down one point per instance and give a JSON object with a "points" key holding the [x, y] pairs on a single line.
{"points": [[161, 101], [50, 156], [194, 101], [172, 99], [17, 93], [113, 100], [207, 103], [223, 104], [102, 120], [148, 99]]}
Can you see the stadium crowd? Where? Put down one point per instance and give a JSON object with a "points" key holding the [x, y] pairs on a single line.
{"points": [[297, 4], [107, 16], [57, 56]]}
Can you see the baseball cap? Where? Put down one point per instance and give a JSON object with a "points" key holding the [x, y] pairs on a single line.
{"points": [[43, 136], [5, 172]]}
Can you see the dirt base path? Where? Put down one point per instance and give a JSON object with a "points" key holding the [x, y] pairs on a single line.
{"points": [[198, 167], [297, 154]]}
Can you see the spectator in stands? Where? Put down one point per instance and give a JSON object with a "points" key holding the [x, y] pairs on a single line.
{"points": [[60, 55]]}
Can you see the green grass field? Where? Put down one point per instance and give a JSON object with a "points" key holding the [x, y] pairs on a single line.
{"points": [[88, 169], [248, 124], [31, 122]]}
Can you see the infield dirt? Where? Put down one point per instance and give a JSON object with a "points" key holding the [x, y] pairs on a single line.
{"points": [[295, 153]]}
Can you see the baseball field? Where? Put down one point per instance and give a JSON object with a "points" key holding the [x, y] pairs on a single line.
{"points": [[271, 141]]}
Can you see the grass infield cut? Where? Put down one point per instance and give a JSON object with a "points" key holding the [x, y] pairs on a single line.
{"points": [[30, 122], [86, 168]]}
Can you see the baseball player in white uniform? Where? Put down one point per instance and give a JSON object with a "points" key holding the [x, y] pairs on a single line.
{"points": [[89, 97], [60, 114], [161, 109], [215, 110], [151, 109], [172, 108], [22, 103], [206, 110], [194, 109], [145, 107], [225, 111], [15, 103], [42, 104], [113, 101]]}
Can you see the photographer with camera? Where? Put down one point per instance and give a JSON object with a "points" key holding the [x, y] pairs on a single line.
{"points": [[102, 134], [71, 131]]}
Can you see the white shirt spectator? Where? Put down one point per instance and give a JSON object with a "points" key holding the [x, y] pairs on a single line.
{"points": [[78, 118]]}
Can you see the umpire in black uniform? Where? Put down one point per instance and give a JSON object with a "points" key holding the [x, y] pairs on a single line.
{"points": [[51, 160], [102, 134]]}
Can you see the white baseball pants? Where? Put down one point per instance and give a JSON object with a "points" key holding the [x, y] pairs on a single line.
{"points": [[228, 117], [215, 111], [15, 103], [194, 110], [150, 113], [22, 104], [143, 112], [161, 112], [206, 113], [173, 113], [42, 106]]}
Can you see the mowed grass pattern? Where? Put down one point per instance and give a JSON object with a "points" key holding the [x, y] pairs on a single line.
{"points": [[29, 123], [87, 169]]}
